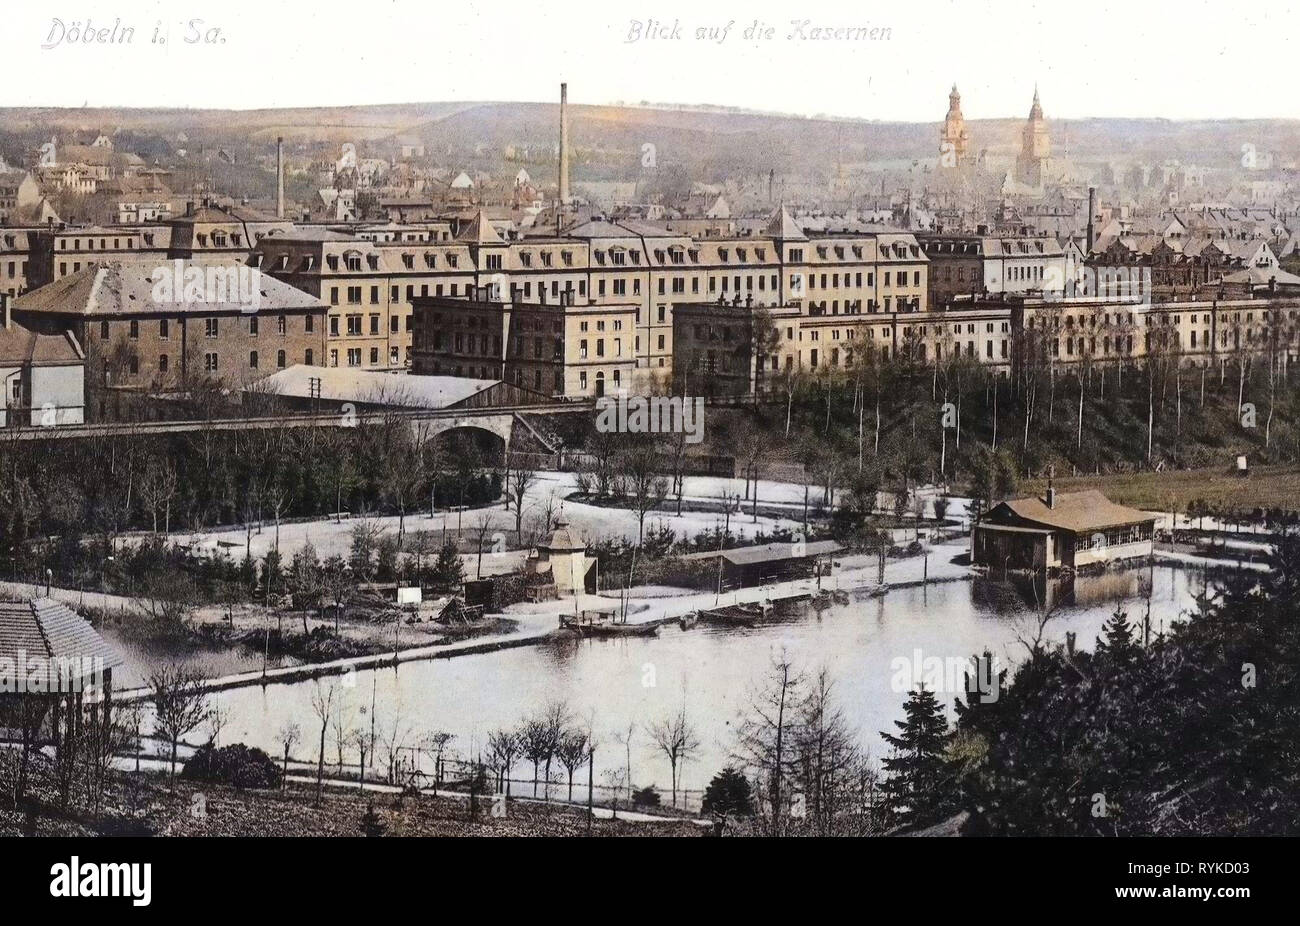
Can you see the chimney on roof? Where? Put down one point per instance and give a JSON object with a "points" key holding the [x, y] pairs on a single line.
{"points": [[1051, 489], [279, 177], [189, 207]]}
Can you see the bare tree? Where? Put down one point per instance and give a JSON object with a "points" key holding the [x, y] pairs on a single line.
{"points": [[521, 480], [218, 720], [766, 730], [359, 739], [481, 528], [322, 705], [180, 705], [646, 488], [572, 752], [624, 739], [342, 728], [287, 737], [503, 748], [676, 739]]}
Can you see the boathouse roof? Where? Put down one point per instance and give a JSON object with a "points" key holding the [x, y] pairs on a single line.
{"points": [[1072, 511]]}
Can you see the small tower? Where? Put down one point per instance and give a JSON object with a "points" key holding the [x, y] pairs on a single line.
{"points": [[953, 139], [1035, 146]]}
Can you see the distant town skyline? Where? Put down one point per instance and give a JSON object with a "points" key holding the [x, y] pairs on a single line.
{"points": [[1119, 60]]}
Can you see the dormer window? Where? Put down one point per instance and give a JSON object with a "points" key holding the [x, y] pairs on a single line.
{"points": [[741, 254], [525, 258], [430, 259], [353, 261], [372, 260], [332, 261], [567, 257], [723, 255], [408, 261]]}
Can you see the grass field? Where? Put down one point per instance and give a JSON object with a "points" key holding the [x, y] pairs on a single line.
{"points": [[1264, 487]]}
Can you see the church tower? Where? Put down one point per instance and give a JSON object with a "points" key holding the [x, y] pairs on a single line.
{"points": [[1035, 147], [953, 140]]}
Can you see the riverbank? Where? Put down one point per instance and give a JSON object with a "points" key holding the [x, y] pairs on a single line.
{"points": [[149, 805]]}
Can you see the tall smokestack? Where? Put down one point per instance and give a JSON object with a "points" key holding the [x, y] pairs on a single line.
{"points": [[564, 144], [1092, 217], [279, 178]]}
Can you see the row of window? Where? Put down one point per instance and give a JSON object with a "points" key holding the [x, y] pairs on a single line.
{"points": [[211, 327], [212, 362]]}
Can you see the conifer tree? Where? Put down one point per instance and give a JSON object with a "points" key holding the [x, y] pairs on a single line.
{"points": [[914, 787]]}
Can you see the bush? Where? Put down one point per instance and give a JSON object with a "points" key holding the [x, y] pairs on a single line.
{"points": [[646, 797], [237, 765]]}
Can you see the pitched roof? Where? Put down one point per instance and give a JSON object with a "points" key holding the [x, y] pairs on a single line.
{"points": [[1074, 511], [127, 286], [20, 344], [479, 231], [782, 225], [563, 539], [768, 552], [372, 387], [42, 628]]}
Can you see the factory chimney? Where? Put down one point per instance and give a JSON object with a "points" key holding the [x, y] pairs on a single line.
{"points": [[564, 145], [279, 178], [1092, 217]]}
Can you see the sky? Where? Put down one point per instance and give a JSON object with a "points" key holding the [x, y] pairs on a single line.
{"points": [[1140, 58]]}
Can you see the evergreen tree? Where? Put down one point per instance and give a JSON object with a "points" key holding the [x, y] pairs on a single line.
{"points": [[448, 571], [914, 786], [1118, 639], [729, 794]]}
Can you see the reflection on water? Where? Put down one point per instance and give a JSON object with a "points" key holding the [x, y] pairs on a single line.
{"points": [[712, 670], [142, 659]]}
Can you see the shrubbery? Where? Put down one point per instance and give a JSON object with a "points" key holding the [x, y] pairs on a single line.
{"points": [[238, 765]]}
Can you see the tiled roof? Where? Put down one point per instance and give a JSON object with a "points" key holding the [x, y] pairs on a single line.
{"points": [[21, 345], [45, 628], [121, 287], [1074, 511]]}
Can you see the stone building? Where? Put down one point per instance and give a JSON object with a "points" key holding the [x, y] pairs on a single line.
{"points": [[154, 326]]}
